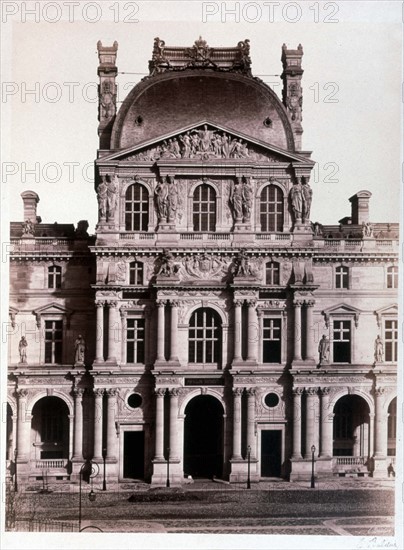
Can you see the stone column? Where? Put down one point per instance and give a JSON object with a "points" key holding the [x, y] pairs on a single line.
{"points": [[174, 447], [297, 423], [147, 316], [380, 444], [23, 428], [237, 392], [309, 330], [159, 451], [111, 430], [112, 331], [78, 425], [98, 393], [311, 396], [174, 331], [251, 420], [327, 417], [160, 329], [252, 331], [260, 315], [237, 330], [298, 331], [371, 434], [99, 345]]}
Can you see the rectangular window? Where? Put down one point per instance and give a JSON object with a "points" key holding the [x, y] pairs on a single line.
{"points": [[135, 338], [272, 340], [390, 340], [54, 277], [342, 342], [53, 341], [341, 277]]}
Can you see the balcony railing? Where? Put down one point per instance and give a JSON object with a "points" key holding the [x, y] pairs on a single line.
{"points": [[350, 460], [49, 464]]}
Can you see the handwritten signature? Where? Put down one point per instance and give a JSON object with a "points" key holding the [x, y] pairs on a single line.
{"points": [[376, 542]]}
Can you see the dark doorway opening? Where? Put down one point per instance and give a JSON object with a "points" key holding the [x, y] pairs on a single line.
{"points": [[271, 453], [203, 438], [133, 455]]}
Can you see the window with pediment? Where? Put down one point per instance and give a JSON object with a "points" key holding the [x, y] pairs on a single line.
{"points": [[271, 209], [136, 208]]}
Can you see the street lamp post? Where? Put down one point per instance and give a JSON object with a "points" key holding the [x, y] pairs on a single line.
{"points": [[248, 467], [92, 495], [15, 470], [104, 456], [168, 467], [313, 450]]}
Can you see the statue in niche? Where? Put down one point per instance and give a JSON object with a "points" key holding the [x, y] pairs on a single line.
{"points": [[161, 196], [28, 228], [324, 350], [296, 198], [22, 349], [172, 199], [112, 191], [307, 195], [379, 349], [236, 199], [79, 350], [247, 195], [102, 191]]}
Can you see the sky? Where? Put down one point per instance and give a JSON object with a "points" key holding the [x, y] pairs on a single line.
{"points": [[351, 91]]}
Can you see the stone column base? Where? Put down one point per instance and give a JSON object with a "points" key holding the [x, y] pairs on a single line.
{"points": [[301, 468], [380, 465], [159, 477], [239, 470]]}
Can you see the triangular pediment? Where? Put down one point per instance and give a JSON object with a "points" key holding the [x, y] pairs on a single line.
{"points": [[387, 311], [205, 142], [52, 309], [341, 310]]}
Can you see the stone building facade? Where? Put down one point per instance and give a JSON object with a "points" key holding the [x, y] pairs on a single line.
{"points": [[209, 322]]}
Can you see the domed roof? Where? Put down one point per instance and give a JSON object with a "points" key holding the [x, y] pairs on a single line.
{"points": [[172, 98]]}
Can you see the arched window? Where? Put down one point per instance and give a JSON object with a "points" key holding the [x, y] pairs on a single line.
{"points": [[272, 273], [271, 209], [136, 208], [341, 277], [204, 336], [392, 276], [54, 276], [204, 208], [136, 273]]}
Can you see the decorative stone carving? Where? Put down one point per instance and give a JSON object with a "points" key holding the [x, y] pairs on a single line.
{"points": [[311, 391], [204, 143], [160, 392], [238, 392], [296, 200], [204, 266], [241, 199], [367, 229], [22, 393], [307, 195], [168, 266], [102, 193], [297, 391], [28, 228], [107, 101]]}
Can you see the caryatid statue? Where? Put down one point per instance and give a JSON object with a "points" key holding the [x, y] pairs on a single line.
{"points": [[307, 195]]}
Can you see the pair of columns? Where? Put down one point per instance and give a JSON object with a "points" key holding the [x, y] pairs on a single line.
{"points": [[173, 426], [252, 330], [98, 424], [313, 418], [237, 422], [298, 333], [112, 330], [161, 307]]}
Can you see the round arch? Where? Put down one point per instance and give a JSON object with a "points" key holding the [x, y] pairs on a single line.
{"points": [[56, 393], [128, 184], [342, 393], [351, 426], [222, 314], [206, 391], [275, 183], [192, 188]]}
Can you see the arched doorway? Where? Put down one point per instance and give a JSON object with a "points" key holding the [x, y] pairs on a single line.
{"points": [[392, 427], [203, 437], [50, 428], [351, 427]]}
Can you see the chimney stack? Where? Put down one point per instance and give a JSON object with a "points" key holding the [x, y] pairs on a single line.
{"points": [[30, 200], [360, 207]]}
